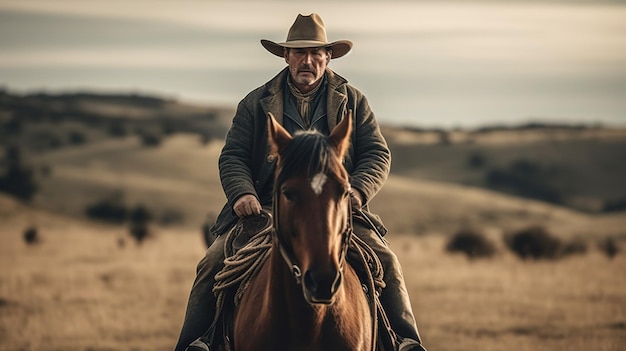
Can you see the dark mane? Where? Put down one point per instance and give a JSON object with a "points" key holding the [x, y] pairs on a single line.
{"points": [[310, 153]]}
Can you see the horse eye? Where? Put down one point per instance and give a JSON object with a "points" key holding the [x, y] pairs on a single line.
{"points": [[289, 194]]}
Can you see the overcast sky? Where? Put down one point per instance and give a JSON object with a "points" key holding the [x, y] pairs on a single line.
{"points": [[461, 63]]}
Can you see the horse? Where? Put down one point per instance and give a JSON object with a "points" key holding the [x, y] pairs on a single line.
{"points": [[306, 296]]}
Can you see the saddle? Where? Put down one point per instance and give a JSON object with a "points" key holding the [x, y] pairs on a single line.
{"points": [[248, 245]]}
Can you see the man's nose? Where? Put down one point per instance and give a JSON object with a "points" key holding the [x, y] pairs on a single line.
{"points": [[308, 58]]}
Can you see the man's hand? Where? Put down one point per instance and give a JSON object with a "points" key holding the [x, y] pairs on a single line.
{"points": [[355, 196], [247, 205]]}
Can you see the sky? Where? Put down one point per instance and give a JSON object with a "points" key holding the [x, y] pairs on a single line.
{"points": [[420, 63]]}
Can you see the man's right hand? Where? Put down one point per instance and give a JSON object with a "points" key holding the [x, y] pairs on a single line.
{"points": [[247, 205]]}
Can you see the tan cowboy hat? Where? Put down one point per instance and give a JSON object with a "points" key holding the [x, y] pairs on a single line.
{"points": [[308, 32]]}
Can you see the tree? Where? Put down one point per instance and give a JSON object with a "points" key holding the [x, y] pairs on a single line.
{"points": [[18, 180]]}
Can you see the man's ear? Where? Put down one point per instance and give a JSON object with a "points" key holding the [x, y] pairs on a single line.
{"points": [[340, 136], [279, 137]]}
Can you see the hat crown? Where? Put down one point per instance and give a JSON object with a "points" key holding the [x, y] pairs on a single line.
{"points": [[309, 27], [308, 32]]}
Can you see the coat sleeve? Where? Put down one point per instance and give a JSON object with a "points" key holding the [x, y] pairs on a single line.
{"points": [[235, 159], [372, 157]]}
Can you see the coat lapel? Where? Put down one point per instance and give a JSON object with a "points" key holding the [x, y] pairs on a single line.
{"points": [[336, 99], [273, 102]]}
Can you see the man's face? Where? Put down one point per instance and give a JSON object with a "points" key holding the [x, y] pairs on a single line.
{"points": [[307, 66]]}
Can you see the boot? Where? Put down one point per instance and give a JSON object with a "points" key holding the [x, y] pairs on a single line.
{"points": [[200, 344], [201, 306], [394, 297]]}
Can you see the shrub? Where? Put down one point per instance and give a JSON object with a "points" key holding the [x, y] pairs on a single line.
{"points": [[139, 218], [535, 242], [615, 205], [31, 236], [171, 217], [205, 138], [524, 178], [45, 140], [472, 243], [150, 139], [609, 247], [117, 129], [139, 231], [18, 180], [13, 126], [574, 247], [476, 160], [110, 209], [168, 127], [77, 138], [140, 214]]}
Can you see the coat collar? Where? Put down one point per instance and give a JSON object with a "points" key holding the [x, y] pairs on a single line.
{"points": [[337, 98], [273, 101]]}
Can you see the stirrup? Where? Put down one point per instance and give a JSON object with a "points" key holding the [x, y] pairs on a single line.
{"points": [[198, 345], [410, 345]]}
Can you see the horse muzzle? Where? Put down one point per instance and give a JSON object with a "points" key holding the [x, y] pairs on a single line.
{"points": [[319, 288]]}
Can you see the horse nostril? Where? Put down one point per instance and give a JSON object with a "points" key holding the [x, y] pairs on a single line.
{"points": [[309, 282], [322, 286]]}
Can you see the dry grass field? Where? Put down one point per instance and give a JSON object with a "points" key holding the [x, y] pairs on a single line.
{"points": [[81, 289]]}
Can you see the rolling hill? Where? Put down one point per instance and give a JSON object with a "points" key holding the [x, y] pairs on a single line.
{"points": [[164, 156]]}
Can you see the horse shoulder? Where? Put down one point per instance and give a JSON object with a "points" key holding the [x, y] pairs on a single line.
{"points": [[358, 310], [253, 314]]}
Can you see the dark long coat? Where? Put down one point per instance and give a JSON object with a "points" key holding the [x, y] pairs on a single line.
{"points": [[246, 164]]}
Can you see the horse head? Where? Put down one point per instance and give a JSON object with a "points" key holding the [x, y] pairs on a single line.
{"points": [[312, 219]]}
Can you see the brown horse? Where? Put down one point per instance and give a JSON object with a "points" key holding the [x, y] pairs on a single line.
{"points": [[306, 296]]}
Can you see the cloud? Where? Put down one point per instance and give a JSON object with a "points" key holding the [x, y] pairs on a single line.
{"points": [[485, 56]]}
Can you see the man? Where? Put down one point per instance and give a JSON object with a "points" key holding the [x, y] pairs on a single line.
{"points": [[305, 95]]}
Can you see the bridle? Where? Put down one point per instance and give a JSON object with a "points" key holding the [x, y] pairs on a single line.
{"points": [[287, 252]]}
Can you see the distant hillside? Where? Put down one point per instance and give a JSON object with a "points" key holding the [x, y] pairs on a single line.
{"points": [[578, 167], [41, 122], [82, 148], [421, 206], [55, 107]]}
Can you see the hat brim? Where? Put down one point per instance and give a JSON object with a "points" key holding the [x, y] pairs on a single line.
{"points": [[339, 47]]}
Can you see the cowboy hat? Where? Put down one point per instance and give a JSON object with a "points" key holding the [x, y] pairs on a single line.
{"points": [[308, 32]]}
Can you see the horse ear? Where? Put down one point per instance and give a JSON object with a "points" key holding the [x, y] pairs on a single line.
{"points": [[340, 136], [278, 136]]}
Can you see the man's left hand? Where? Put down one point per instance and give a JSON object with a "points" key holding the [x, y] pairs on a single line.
{"points": [[357, 202]]}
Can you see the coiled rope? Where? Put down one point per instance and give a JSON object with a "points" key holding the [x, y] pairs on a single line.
{"points": [[241, 265]]}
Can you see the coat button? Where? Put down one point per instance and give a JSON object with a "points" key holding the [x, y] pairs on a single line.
{"points": [[270, 158]]}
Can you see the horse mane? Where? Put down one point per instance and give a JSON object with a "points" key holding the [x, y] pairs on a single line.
{"points": [[310, 153]]}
